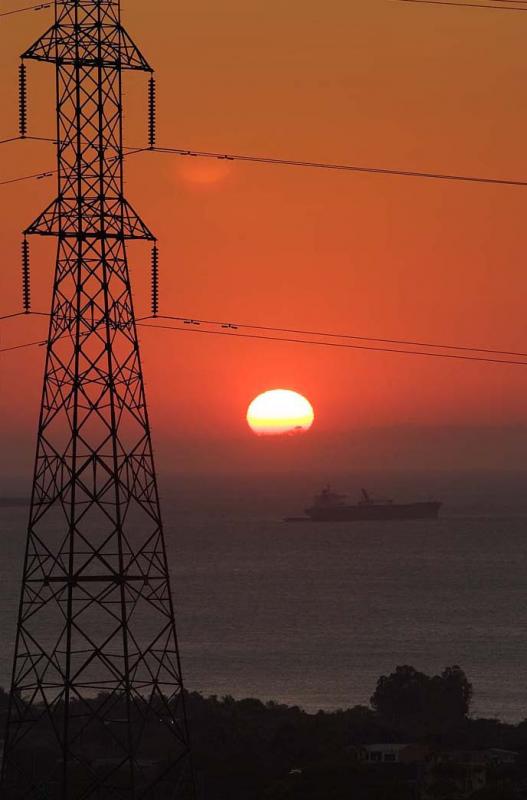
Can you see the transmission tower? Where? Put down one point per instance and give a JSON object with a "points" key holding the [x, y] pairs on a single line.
{"points": [[97, 708]]}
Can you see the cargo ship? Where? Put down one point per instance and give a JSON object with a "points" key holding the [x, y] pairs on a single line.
{"points": [[328, 506]]}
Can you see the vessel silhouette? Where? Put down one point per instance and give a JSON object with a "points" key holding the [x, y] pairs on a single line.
{"points": [[329, 506]]}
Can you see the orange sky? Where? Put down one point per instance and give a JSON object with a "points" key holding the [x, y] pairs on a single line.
{"points": [[374, 83]]}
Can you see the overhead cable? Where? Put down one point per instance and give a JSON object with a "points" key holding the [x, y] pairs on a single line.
{"points": [[11, 139], [312, 342], [39, 7], [466, 5], [36, 176], [320, 165], [341, 345], [40, 342], [12, 316], [334, 335], [339, 167], [194, 321], [236, 329]]}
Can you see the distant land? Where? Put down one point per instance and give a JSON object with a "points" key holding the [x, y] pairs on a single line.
{"points": [[12, 502]]}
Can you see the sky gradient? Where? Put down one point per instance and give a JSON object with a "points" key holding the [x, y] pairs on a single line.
{"points": [[374, 83]]}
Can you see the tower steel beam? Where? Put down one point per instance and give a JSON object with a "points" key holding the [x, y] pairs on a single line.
{"points": [[97, 708]]}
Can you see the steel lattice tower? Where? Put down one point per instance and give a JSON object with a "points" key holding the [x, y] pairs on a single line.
{"points": [[97, 706]]}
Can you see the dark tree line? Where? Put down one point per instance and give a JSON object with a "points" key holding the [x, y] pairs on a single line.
{"points": [[268, 751]]}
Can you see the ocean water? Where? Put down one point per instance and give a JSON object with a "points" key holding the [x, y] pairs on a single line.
{"points": [[312, 614]]}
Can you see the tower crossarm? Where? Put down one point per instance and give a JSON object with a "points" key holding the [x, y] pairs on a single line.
{"points": [[89, 48], [88, 34]]}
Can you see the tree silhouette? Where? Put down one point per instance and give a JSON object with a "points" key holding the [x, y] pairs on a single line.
{"points": [[417, 704]]}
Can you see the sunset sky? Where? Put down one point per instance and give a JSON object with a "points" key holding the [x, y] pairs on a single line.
{"points": [[367, 82]]}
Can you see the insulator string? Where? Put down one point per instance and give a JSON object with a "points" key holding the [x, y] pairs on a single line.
{"points": [[151, 113], [155, 280], [22, 100], [26, 277]]}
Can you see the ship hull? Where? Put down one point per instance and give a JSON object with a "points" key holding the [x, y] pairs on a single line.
{"points": [[372, 511]]}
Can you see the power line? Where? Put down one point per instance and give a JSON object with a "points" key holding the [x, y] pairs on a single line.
{"points": [[39, 7], [12, 316], [192, 321], [189, 320], [313, 342], [21, 346], [12, 139], [35, 176], [339, 167], [321, 165], [48, 173], [465, 5], [28, 137], [341, 345], [28, 314], [334, 335]]}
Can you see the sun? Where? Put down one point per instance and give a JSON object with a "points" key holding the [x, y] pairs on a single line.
{"points": [[278, 412]]}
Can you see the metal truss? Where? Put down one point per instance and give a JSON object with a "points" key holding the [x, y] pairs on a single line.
{"points": [[97, 706]]}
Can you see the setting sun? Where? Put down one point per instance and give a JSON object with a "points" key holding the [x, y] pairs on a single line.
{"points": [[280, 411]]}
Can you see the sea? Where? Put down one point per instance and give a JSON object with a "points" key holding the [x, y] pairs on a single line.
{"points": [[312, 614]]}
